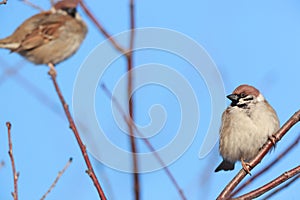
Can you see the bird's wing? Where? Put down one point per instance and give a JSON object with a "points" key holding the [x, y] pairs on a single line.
{"points": [[43, 32]]}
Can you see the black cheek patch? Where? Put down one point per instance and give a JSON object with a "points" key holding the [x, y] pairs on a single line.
{"points": [[71, 11]]}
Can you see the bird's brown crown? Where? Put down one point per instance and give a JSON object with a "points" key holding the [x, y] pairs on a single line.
{"points": [[247, 90]]}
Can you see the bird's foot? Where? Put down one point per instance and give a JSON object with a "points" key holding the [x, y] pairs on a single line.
{"points": [[52, 71], [273, 139], [246, 166]]}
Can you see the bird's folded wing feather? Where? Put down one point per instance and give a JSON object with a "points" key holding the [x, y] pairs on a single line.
{"points": [[42, 34]]}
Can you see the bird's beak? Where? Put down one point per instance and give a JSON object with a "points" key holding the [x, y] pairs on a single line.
{"points": [[233, 97]]}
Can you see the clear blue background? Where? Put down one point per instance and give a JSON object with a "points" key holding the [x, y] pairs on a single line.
{"points": [[255, 42]]}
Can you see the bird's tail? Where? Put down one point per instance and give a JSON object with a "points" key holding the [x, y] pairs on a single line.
{"points": [[225, 165]]}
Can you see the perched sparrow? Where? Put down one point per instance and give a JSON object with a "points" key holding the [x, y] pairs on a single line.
{"points": [[246, 125], [48, 37]]}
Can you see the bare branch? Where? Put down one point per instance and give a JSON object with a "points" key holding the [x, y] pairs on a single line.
{"points": [[269, 166], [33, 5], [10, 153], [52, 2], [90, 170], [282, 187], [39, 94], [2, 163], [60, 173], [129, 57], [130, 122], [285, 176], [264, 150], [100, 27]]}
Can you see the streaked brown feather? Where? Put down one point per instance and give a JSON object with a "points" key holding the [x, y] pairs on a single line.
{"points": [[39, 36]]}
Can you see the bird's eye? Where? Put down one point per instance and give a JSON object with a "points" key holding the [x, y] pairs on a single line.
{"points": [[71, 11], [243, 95]]}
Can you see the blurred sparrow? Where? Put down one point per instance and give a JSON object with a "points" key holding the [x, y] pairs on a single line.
{"points": [[246, 125], [48, 37]]}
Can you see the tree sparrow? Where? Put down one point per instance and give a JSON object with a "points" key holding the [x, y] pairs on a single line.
{"points": [[246, 125], [48, 37]]}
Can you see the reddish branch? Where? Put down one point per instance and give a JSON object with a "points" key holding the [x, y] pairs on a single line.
{"points": [[265, 149], [90, 170], [270, 165], [100, 27], [130, 122], [39, 94], [129, 57], [282, 187], [272, 184], [33, 5], [10, 153], [60, 173]]}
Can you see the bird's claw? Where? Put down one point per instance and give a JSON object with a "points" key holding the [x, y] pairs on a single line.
{"points": [[246, 166], [273, 139], [52, 71]]}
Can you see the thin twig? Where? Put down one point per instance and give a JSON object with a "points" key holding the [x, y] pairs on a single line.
{"points": [[3, 2], [10, 153], [13, 71], [277, 181], [90, 170], [52, 2], [60, 173], [264, 150], [129, 57], [33, 5], [100, 27], [2, 163], [129, 121], [39, 94], [204, 179], [270, 165], [9, 70], [281, 188]]}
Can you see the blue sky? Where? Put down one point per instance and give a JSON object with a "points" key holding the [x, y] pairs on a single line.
{"points": [[250, 42]]}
